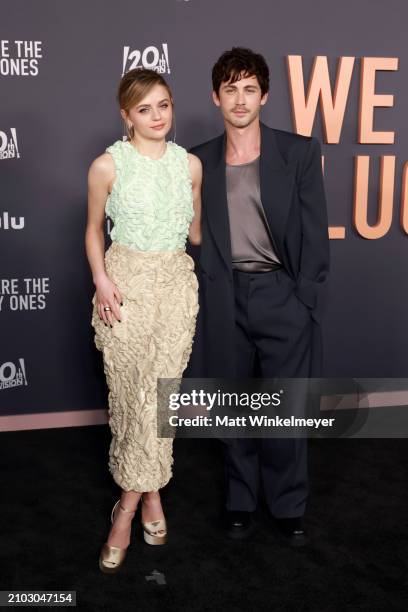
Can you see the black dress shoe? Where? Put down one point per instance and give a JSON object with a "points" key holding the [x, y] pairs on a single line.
{"points": [[238, 524], [292, 530]]}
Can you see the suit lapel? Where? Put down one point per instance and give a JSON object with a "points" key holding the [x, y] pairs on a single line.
{"points": [[277, 180], [216, 201]]}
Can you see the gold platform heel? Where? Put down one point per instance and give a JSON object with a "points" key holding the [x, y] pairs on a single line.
{"points": [[155, 532], [112, 557]]}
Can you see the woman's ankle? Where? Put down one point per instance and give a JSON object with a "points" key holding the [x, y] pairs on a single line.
{"points": [[152, 509], [151, 496]]}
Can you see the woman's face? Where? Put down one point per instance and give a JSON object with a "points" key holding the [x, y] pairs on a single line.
{"points": [[152, 116]]}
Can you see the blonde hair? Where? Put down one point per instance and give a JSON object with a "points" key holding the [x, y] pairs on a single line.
{"points": [[133, 87]]}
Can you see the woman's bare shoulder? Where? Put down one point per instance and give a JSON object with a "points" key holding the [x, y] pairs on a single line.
{"points": [[196, 168], [103, 164], [102, 168]]}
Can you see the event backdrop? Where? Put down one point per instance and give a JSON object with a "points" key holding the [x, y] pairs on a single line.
{"points": [[339, 71]]}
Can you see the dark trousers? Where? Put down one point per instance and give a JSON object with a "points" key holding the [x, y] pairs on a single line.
{"points": [[274, 327]]}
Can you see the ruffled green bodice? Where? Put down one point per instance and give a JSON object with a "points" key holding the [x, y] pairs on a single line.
{"points": [[151, 202]]}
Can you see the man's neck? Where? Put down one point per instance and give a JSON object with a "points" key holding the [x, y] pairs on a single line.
{"points": [[243, 144]]}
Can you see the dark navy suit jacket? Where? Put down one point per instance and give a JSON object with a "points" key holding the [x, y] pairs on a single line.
{"points": [[293, 197]]}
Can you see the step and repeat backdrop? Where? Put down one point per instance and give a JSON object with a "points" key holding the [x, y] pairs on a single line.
{"points": [[339, 71]]}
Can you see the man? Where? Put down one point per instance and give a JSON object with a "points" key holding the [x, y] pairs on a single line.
{"points": [[263, 268]]}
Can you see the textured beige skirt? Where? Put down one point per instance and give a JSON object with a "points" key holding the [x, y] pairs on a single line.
{"points": [[153, 340]]}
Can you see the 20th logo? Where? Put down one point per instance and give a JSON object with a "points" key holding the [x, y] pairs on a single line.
{"points": [[150, 57]]}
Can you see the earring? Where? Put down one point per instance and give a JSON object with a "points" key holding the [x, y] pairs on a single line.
{"points": [[174, 128], [128, 130]]}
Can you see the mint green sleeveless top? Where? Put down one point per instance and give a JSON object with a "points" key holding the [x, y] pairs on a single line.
{"points": [[151, 202]]}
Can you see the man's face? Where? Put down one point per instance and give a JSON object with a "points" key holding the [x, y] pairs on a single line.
{"points": [[240, 102]]}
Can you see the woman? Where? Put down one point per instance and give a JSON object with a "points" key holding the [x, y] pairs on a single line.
{"points": [[145, 301]]}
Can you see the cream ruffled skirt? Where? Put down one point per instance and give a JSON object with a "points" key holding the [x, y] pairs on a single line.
{"points": [[153, 340]]}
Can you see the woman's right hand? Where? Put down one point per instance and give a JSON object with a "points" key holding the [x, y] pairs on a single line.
{"points": [[108, 295]]}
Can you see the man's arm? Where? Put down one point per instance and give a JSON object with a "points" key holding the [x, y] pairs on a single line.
{"points": [[315, 253]]}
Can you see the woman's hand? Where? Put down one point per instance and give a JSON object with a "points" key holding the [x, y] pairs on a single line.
{"points": [[108, 296]]}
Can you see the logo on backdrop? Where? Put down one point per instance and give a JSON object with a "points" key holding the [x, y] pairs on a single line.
{"points": [[13, 374], [20, 57], [9, 144], [24, 294], [152, 57], [9, 222]]}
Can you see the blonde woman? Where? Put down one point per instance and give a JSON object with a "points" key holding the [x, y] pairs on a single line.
{"points": [[145, 302]]}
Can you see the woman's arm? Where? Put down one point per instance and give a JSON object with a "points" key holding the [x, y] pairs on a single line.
{"points": [[196, 170], [100, 179]]}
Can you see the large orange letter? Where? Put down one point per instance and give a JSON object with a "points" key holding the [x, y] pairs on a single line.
{"points": [[333, 107], [369, 100], [386, 196], [404, 199]]}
